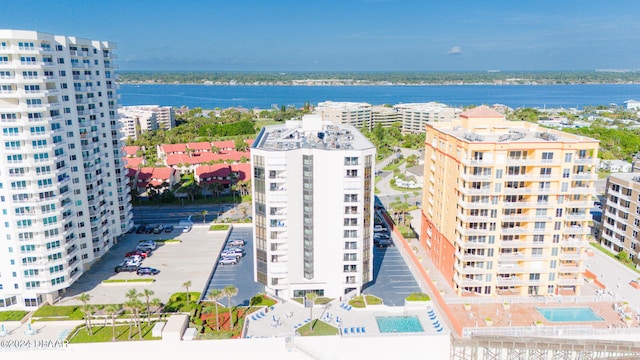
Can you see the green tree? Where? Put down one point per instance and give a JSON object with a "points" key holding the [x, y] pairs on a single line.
{"points": [[87, 309], [147, 296], [230, 291], [112, 310], [187, 285], [311, 297], [134, 305], [215, 295]]}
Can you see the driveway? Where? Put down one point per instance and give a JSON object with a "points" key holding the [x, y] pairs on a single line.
{"points": [[239, 275]]}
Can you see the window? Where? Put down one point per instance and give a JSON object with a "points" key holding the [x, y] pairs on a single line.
{"points": [[351, 173], [351, 161], [547, 157]]}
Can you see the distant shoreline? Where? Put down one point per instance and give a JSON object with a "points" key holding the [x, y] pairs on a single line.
{"points": [[392, 84]]}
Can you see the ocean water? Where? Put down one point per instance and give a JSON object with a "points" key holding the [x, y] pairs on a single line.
{"points": [[265, 97]]}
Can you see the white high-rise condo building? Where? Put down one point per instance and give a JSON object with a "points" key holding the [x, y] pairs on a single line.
{"points": [[63, 192], [313, 208], [416, 116], [352, 113]]}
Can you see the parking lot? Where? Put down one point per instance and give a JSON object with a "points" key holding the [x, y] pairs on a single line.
{"points": [[239, 275], [190, 260], [392, 278]]}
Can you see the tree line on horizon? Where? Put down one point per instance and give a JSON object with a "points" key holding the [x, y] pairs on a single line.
{"points": [[398, 77]]}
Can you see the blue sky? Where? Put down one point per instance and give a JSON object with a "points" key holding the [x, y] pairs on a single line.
{"points": [[347, 35]]}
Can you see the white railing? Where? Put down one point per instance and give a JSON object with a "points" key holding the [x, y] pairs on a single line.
{"points": [[547, 331]]}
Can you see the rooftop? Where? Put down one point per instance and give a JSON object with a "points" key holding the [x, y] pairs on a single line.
{"points": [[311, 133]]}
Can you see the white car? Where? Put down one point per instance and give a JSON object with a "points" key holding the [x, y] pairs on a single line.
{"points": [[148, 243], [186, 229], [137, 258], [236, 242], [379, 228], [227, 261]]}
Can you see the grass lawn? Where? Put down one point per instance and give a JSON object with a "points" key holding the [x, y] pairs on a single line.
{"points": [[320, 328], [418, 297], [393, 165], [72, 312], [12, 315], [373, 300], [219, 227], [105, 333]]}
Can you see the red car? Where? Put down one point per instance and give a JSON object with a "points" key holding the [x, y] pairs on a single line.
{"points": [[137, 252]]}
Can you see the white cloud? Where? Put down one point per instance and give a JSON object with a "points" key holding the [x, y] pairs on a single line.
{"points": [[456, 50]]}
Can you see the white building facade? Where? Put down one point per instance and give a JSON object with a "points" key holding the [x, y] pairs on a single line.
{"points": [[351, 113], [313, 208], [63, 192], [134, 121], [416, 116]]}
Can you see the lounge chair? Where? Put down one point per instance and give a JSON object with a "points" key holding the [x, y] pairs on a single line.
{"points": [[363, 330], [358, 330], [352, 330], [345, 331]]}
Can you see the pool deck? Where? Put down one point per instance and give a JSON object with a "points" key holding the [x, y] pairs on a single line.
{"points": [[284, 319], [526, 315]]}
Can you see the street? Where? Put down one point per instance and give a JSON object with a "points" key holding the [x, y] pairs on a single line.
{"points": [[173, 214]]}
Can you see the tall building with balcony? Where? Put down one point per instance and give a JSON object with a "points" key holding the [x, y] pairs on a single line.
{"points": [[506, 204], [63, 190], [620, 224], [415, 116], [134, 121], [351, 113], [313, 208]]}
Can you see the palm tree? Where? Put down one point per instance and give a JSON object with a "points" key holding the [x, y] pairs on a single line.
{"points": [[112, 310], [233, 178], [157, 304], [216, 188], [204, 215], [84, 297], [187, 285], [215, 295], [147, 294], [230, 291], [134, 304], [311, 297]]}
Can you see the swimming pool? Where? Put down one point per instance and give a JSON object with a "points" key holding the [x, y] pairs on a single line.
{"points": [[396, 324], [572, 314]]}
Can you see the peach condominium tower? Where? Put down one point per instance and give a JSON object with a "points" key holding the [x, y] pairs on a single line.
{"points": [[313, 208], [506, 205], [63, 193]]}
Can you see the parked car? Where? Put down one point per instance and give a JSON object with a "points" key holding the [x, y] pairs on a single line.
{"points": [[231, 254], [148, 230], [136, 258], [186, 228], [236, 242], [148, 243], [227, 261], [158, 229], [384, 243], [144, 254], [379, 228], [140, 229], [169, 229], [126, 267], [147, 271], [234, 249]]}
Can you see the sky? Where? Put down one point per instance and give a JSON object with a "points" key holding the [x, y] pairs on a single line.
{"points": [[346, 35]]}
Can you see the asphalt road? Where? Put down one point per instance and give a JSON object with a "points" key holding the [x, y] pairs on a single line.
{"points": [[173, 214]]}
